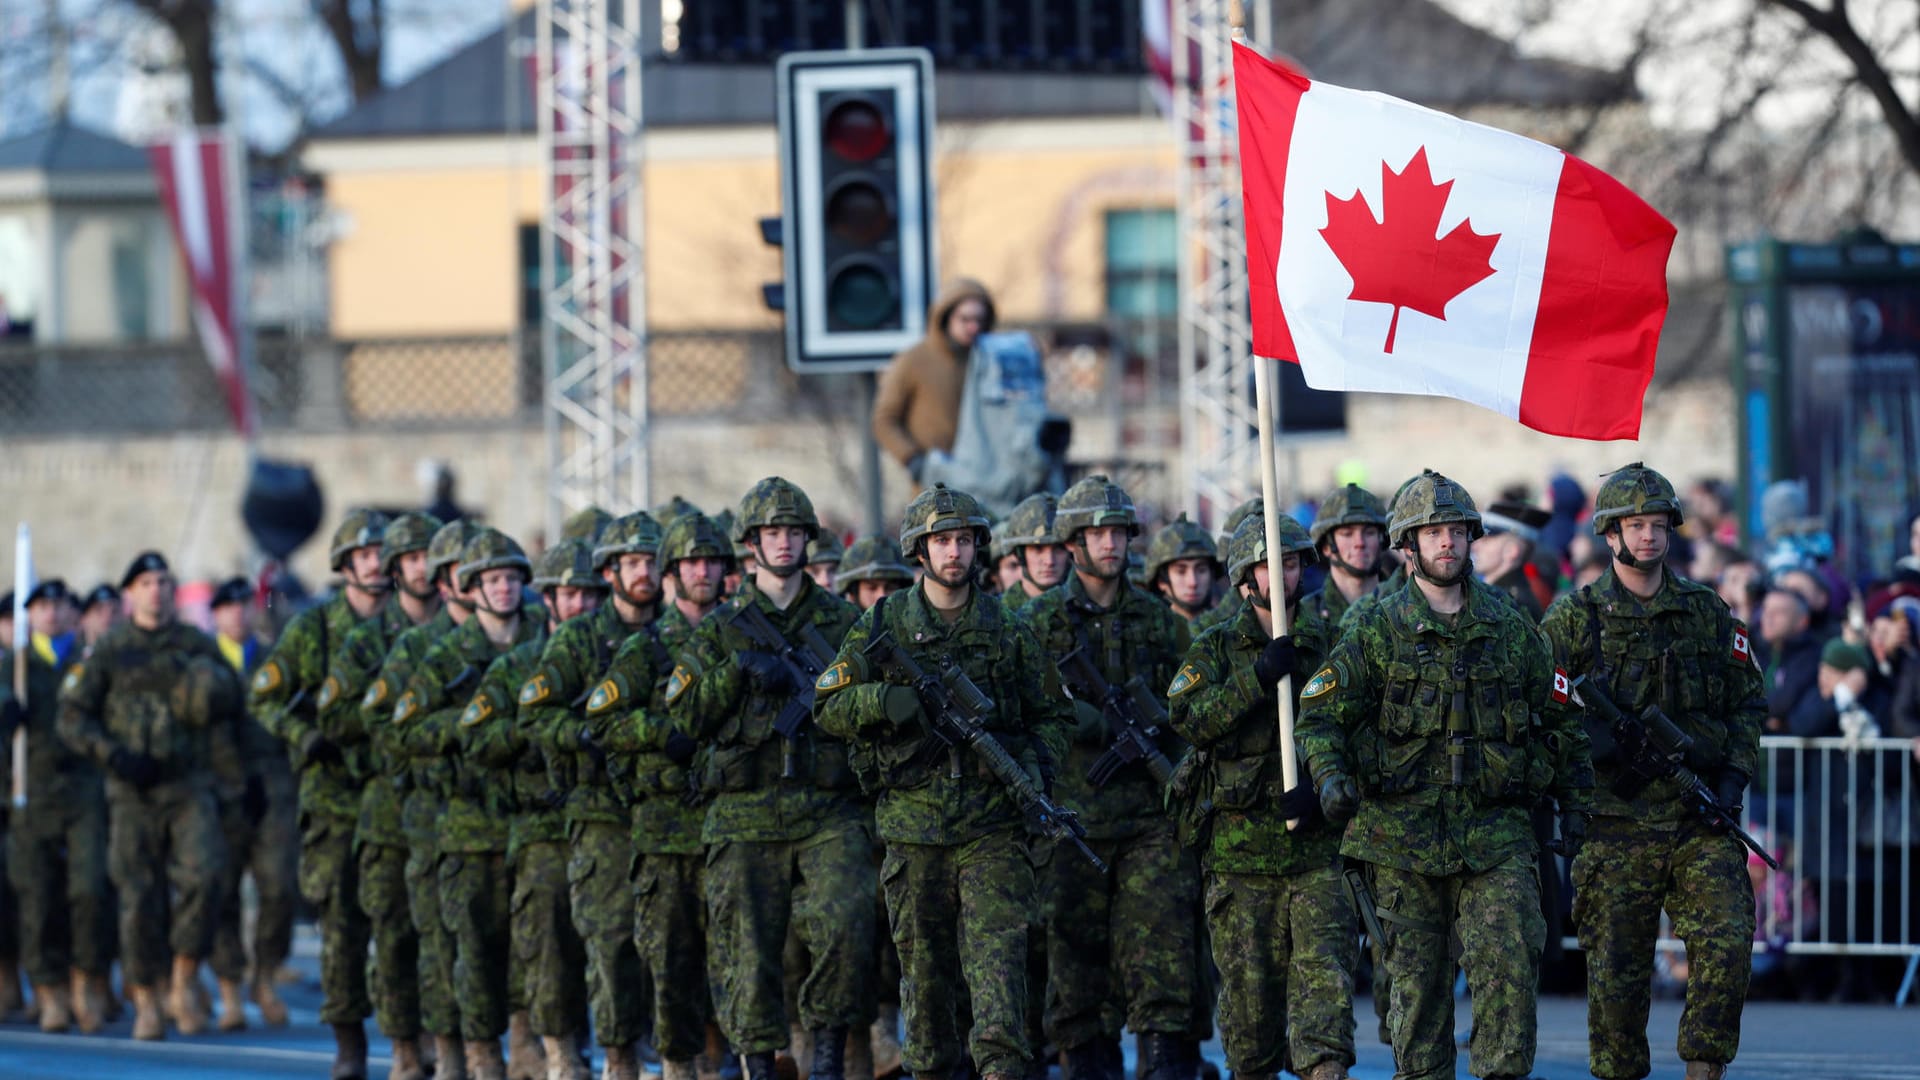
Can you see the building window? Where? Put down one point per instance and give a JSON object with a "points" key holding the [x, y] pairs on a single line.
{"points": [[1142, 264]]}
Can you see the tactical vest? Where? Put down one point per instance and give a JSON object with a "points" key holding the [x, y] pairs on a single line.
{"points": [[747, 754], [1667, 661]]}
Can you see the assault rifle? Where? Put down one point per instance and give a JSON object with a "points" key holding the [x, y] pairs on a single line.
{"points": [[797, 665], [955, 709], [1138, 717], [1653, 748]]}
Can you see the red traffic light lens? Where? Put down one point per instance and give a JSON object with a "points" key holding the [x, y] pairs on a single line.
{"points": [[858, 213], [860, 297], [856, 130]]}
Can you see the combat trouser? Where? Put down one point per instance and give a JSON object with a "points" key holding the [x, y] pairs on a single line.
{"points": [[439, 1010], [963, 908], [166, 840], [330, 881], [1496, 914], [394, 974], [600, 886], [670, 928], [546, 946], [270, 851], [1628, 872], [1286, 957], [57, 863], [475, 899]]}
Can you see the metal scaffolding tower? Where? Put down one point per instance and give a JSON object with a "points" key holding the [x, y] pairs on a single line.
{"points": [[1217, 419], [592, 255]]}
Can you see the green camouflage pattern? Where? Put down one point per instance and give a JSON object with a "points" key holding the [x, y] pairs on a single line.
{"points": [[362, 527], [940, 508], [551, 704], [330, 881], [1227, 610], [393, 974], [1316, 619], [586, 526], [546, 947], [1631, 490], [1698, 876], [1180, 539], [872, 558], [342, 710], [600, 887], [285, 699], [1091, 502], [269, 852], [1431, 499], [498, 759], [491, 549], [166, 858], [1286, 950], [634, 534], [475, 903], [629, 718], [1031, 523], [825, 550], [1495, 913], [774, 501], [411, 531], [1348, 505], [1248, 545], [670, 929]]}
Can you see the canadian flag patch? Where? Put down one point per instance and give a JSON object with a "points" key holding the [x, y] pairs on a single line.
{"points": [[1742, 651], [1561, 687]]}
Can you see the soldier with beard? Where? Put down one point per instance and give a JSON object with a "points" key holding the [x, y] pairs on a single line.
{"points": [[552, 704], [1029, 534]]}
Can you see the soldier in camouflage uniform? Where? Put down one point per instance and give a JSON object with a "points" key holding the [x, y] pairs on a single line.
{"points": [[650, 760], [788, 831], [57, 845], [1126, 935], [958, 881], [393, 975], [1183, 565], [601, 851], [1349, 532], [1228, 609], [158, 708], [286, 693], [1274, 896], [1029, 534], [1648, 637], [1432, 729], [420, 784], [823, 559], [474, 887], [872, 568], [495, 745]]}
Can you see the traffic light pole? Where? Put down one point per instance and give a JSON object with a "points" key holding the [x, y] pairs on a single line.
{"points": [[855, 12]]}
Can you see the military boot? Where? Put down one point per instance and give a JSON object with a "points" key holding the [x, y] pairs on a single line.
{"points": [[484, 1061], [89, 997], [273, 1011], [1163, 1057], [860, 1054], [566, 1059], [450, 1058], [829, 1053], [233, 1012], [1096, 1059], [55, 1014], [886, 1041], [1705, 1070], [349, 1052], [525, 1060], [189, 1014], [758, 1066], [146, 1013], [623, 1063], [406, 1061]]}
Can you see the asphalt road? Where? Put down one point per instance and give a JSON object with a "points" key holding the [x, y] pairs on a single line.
{"points": [[1780, 1042]]}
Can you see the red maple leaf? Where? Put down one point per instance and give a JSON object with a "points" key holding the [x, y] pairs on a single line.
{"points": [[1400, 259]]}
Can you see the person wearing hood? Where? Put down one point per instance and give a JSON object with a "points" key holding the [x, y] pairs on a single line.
{"points": [[917, 409]]}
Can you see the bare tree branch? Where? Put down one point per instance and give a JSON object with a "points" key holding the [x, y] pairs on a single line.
{"points": [[1835, 25]]}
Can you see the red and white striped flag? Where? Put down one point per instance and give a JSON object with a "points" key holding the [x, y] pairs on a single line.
{"points": [[1396, 249], [195, 186]]}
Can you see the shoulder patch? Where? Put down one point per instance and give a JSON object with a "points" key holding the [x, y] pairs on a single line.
{"points": [[268, 678], [72, 682], [834, 678], [477, 710], [678, 682], [1742, 648], [1322, 681], [406, 707], [1562, 687], [329, 693], [536, 690], [376, 694], [604, 696], [1189, 678]]}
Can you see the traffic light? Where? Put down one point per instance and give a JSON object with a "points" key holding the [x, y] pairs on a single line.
{"points": [[857, 224]]}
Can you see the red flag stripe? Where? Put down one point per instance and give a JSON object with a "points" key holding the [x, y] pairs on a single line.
{"points": [[1267, 95]]}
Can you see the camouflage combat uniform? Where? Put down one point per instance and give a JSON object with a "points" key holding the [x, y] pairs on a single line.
{"points": [[1449, 727], [957, 877], [1647, 850]]}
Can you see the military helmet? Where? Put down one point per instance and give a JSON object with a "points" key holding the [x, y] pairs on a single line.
{"points": [[942, 509], [1432, 499], [1248, 546], [1092, 502], [1635, 489], [824, 550], [997, 548], [724, 522], [1254, 506], [872, 558], [775, 501], [693, 535], [671, 511], [1180, 539], [635, 534], [449, 541], [567, 564], [588, 525], [1398, 494], [1350, 505], [361, 527], [1033, 523], [207, 691], [491, 549], [411, 531]]}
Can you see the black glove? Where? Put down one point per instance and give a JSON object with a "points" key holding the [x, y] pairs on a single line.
{"points": [[137, 769], [324, 751], [767, 671], [1299, 803], [680, 748], [1730, 791], [1275, 661], [253, 802], [1573, 834], [1339, 797]]}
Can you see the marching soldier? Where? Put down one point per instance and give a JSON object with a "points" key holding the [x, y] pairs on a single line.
{"points": [[1432, 729], [1349, 533], [1229, 607], [157, 707], [1030, 536], [394, 974], [601, 850], [958, 882], [1647, 638], [872, 568], [1127, 935], [1275, 901], [823, 559], [1183, 565], [286, 692], [787, 830]]}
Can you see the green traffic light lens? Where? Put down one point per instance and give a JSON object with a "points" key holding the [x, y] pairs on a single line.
{"points": [[860, 297]]}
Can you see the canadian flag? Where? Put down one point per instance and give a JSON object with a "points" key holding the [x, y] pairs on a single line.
{"points": [[1396, 249]]}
